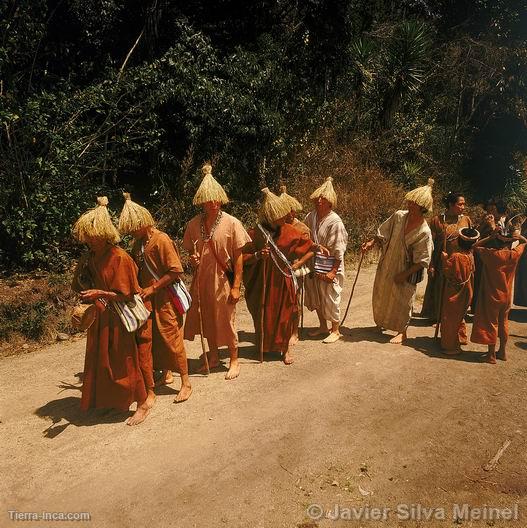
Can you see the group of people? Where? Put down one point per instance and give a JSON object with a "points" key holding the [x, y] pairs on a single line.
{"points": [[284, 264], [271, 260], [460, 261]]}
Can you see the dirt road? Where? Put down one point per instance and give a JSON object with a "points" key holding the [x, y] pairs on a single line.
{"points": [[360, 423]]}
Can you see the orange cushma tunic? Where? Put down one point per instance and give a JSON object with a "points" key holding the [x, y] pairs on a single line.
{"points": [[458, 270], [281, 306], [161, 338], [495, 293], [112, 376]]}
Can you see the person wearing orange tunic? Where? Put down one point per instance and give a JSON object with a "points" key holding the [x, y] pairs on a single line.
{"points": [[448, 223], [495, 293], [276, 251], [160, 340], [215, 240], [112, 374], [458, 270]]}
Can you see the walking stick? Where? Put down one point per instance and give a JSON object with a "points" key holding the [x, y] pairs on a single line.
{"points": [[302, 307], [203, 347], [442, 287], [353, 288], [262, 308]]}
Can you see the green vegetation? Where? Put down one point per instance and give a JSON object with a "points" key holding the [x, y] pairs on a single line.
{"points": [[100, 96]]}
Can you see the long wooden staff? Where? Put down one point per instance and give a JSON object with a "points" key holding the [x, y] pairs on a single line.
{"points": [[353, 288], [302, 307], [442, 284], [262, 307], [203, 347]]}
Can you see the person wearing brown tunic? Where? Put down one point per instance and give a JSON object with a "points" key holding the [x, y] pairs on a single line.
{"points": [[160, 340], [446, 224], [276, 251], [163, 332], [458, 270], [495, 294], [215, 240], [112, 374]]}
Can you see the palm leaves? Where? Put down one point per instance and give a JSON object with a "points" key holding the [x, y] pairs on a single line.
{"points": [[405, 60]]}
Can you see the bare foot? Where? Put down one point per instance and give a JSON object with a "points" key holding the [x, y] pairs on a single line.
{"points": [[234, 370], [288, 358], [318, 331], [183, 394], [399, 339], [294, 340], [166, 379], [501, 354], [142, 411], [489, 358]]}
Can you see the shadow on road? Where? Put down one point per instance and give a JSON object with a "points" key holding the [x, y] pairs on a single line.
{"points": [[518, 315], [430, 347], [69, 409], [364, 333]]}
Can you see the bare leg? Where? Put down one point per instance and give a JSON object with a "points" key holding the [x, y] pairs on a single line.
{"points": [[490, 357], [166, 379], [185, 391], [143, 410], [322, 328], [399, 339], [503, 334], [234, 364], [214, 358]]}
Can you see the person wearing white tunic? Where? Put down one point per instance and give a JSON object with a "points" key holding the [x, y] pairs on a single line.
{"points": [[323, 290], [406, 245]]}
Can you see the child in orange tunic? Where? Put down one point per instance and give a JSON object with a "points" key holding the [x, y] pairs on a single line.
{"points": [[495, 293], [458, 271]]}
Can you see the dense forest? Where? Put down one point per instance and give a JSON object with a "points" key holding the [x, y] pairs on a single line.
{"points": [[99, 96]]}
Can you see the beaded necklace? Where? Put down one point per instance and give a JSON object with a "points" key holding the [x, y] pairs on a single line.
{"points": [[212, 229]]}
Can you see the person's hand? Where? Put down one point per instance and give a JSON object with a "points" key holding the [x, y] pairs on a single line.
{"points": [[194, 260], [296, 265], [491, 222], [92, 295], [400, 277], [329, 276], [147, 293], [323, 250], [431, 272], [234, 295], [367, 245]]}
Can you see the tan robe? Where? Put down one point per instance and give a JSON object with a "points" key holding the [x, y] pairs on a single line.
{"points": [[161, 338], [392, 302], [112, 375], [217, 314]]}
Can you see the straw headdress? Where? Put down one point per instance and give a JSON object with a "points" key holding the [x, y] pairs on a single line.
{"points": [[293, 203], [209, 190], [96, 223], [327, 191], [273, 207], [422, 196], [133, 216]]}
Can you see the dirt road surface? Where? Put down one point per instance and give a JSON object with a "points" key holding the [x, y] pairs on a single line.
{"points": [[359, 424]]}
